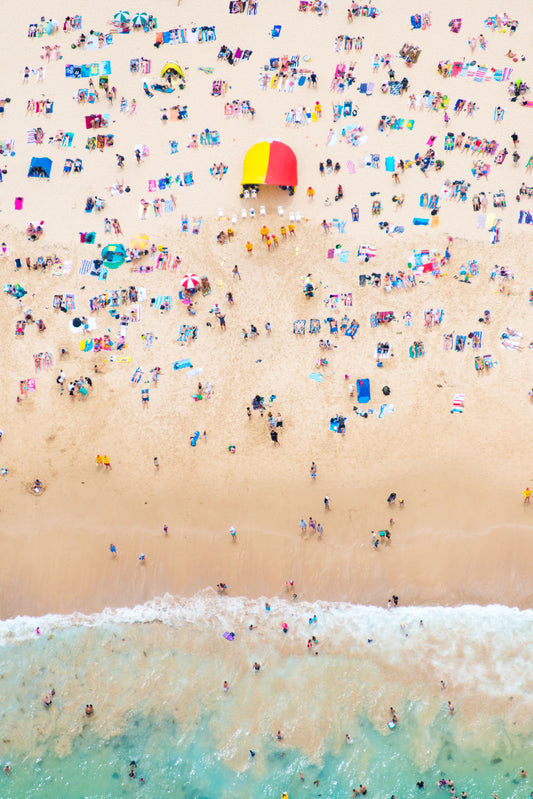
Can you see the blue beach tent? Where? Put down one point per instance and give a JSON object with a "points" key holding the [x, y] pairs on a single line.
{"points": [[40, 167]]}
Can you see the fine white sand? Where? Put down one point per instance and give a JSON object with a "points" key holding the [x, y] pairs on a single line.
{"points": [[464, 533]]}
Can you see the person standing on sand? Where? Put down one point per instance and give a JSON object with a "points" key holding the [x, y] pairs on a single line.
{"points": [[326, 503], [233, 533], [526, 493], [313, 470]]}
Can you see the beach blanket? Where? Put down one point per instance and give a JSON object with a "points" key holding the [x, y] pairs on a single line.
{"points": [[335, 426], [458, 403], [184, 363], [363, 390], [298, 327], [352, 329]]}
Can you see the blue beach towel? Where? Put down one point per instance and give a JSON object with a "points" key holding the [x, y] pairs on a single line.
{"points": [[363, 390], [183, 364]]}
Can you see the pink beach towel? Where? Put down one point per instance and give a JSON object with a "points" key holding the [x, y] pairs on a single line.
{"points": [[19, 201]]}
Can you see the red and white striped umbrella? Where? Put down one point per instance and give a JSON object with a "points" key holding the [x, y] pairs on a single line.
{"points": [[190, 282]]}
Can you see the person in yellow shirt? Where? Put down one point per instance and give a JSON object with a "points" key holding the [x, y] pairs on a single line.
{"points": [[249, 247], [292, 230], [526, 493], [283, 231]]}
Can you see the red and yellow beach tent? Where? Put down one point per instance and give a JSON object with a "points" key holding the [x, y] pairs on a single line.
{"points": [[270, 162]]}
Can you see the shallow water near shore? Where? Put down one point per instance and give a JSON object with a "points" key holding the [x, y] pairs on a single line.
{"points": [[155, 676]]}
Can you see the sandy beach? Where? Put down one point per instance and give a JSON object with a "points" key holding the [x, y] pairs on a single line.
{"points": [[463, 534]]}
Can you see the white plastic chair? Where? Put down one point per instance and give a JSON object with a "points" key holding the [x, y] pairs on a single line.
{"points": [[252, 212], [281, 210], [246, 194], [234, 219], [292, 217], [220, 213], [253, 194], [298, 217], [244, 213], [262, 210]]}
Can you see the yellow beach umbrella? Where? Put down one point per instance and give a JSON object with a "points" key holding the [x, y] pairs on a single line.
{"points": [[139, 241]]}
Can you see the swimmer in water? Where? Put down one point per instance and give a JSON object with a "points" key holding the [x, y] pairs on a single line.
{"points": [[420, 785], [132, 767], [226, 685], [451, 708], [348, 738], [89, 710], [443, 685]]}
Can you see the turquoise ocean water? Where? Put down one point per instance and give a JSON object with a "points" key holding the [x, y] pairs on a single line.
{"points": [[155, 675]]}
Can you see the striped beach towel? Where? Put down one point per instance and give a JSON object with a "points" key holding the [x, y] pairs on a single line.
{"points": [[480, 74], [366, 251], [458, 403], [86, 266], [350, 166]]}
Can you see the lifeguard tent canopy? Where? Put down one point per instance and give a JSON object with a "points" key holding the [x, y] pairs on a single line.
{"points": [[270, 162]]}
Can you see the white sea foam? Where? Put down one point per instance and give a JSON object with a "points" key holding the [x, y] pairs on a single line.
{"points": [[154, 674]]}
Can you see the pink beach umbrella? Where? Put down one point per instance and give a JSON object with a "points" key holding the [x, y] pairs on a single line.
{"points": [[190, 282]]}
